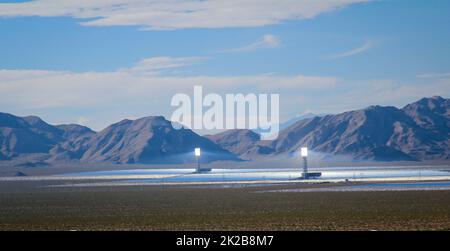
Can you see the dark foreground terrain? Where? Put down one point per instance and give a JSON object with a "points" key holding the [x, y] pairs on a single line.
{"points": [[33, 206]]}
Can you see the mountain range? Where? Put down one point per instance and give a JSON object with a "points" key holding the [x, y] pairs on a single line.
{"points": [[418, 131]]}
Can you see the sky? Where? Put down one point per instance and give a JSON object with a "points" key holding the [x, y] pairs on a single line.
{"points": [[96, 62]]}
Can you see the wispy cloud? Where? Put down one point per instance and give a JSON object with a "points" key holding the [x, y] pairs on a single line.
{"points": [[265, 42], [105, 97], [175, 14], [434, 75], [97, 99], [157, 65], [363, 48]]}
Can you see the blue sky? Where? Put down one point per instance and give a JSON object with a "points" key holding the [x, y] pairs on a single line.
{"points": [[66, 66]]}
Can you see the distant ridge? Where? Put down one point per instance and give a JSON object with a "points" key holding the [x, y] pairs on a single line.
{"points": [[239, 142], [145, 140], [149, 140], [418, 131]]}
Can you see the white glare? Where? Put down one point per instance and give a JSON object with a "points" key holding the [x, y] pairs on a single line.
{"points": [[197, 152], [304, 151]]}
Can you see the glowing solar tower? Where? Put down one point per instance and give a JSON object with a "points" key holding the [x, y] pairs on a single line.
{"points": [[197, 153], [305, 174], [304, 154]]}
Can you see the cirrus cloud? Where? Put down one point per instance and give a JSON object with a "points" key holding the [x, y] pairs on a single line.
{"points": [[141, 90], [174, 14], [358, 50], [106, 97], [265, 42], [158, 65]]}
